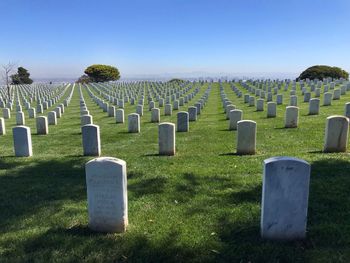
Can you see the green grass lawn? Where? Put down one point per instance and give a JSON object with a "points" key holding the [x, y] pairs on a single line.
{"points": [[202, 205]]}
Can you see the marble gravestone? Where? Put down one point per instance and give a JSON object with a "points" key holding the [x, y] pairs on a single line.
{"points": [[42, 127], [91, 140], [271, 109], [133, 123], [182, 121], [2, 126], [246, 137], [22, 140], [20, 120], [166, 138], [314, 106], [119, 116], [155, 114], [336, 134], [106, 183], [291, 117], [192, 112], [347, 110], [285, 196], [235, 116], [6, 113], [86, 119]]}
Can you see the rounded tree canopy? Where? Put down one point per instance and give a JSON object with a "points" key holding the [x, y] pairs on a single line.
{"points": [[321, 71], [21, 77], [102, 73], [178, 81]]}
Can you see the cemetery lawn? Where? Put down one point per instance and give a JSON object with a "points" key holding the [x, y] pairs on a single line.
{"points": [[202, 205]]}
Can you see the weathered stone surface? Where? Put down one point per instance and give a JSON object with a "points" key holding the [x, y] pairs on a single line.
{"points": [[111, 111], [246, 137], [336, 134], [168, 110], [51, 116], [42, 127], [6, 113], [235, 116], [31, 113], [139, 110], [86, 119], [192, 112], [347, 110], [271, 109], [91, 140], [260, 105], [285, 198], [119, 116], [22, 140], [2, 126], [106, 183], [293, 100], [336, 94], [166, 138], [20, 118], [291, 117], [155, 115], [183, 121], [133, 123], [228, 108], [327, 99], [314, 106]]}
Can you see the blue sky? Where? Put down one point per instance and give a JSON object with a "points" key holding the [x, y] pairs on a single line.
{"points": [[247, 37]]}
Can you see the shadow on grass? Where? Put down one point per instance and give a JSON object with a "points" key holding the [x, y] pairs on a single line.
{"points": [[29, 186], [146, 186], [230, 205], [72, 246]]}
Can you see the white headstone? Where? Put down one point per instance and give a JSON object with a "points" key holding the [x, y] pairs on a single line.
{"points": [[133, 123], [22, 140], [235, 116], [336, 134], [285, 196], [119, 116], [291, 117], [41, 125], [182, 121], [271, 109], [51, 116], [192, 112], [2, 126], [314, 106], [166, 138], [91, 140], [246, 137], [106, 183], [20, 118], [155, 115]]}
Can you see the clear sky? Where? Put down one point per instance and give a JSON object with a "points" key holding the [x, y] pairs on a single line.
{"points": [[61, 38]]}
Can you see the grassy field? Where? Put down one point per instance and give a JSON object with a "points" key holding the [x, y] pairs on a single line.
{"points": [[202, 205]]}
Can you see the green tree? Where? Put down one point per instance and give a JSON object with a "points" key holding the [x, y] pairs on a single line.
{"points": [[322, 71], [84, 79], [102, 73], [22, 77], [177, 81]]}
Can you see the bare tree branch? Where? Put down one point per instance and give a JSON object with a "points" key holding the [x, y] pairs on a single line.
{"points": [[7, 70]]}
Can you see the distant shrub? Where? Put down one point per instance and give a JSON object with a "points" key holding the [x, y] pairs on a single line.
{"points": [[321, 71], [102, 73], [178, 81]]}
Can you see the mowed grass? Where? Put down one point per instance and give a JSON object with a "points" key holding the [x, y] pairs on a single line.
{"points": [[202, 205]]}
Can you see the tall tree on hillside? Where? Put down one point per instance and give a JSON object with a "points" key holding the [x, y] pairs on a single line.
{"points": [[102, 73], [7, 70], [22, 77]]}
